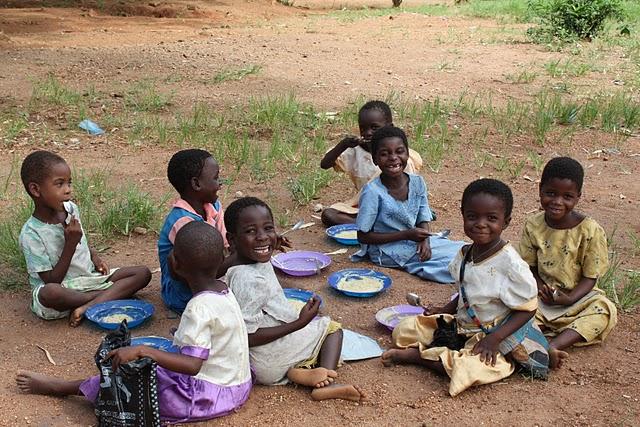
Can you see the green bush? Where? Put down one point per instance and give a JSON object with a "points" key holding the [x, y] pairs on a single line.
{"points": [[569, 19]]}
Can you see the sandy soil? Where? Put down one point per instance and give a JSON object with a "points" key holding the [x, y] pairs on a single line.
{"points": [[327, 62]]}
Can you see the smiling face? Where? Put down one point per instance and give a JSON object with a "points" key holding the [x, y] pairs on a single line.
{"points": [[391, 156], [207, 184], [484, 218], [558, 197], [370, 121], [255, 235], [55, 189]]}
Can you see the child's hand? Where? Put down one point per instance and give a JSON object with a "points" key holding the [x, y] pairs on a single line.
{"points": [[417, 234], [73, 232], [100, 265], [487, 348], [552, 296], [123, 355], [424, 250], [282, 243], [309, 311]]}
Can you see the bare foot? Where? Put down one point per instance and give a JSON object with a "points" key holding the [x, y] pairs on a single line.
{"points": [[557, 358], [400, 355], [34, 383], [338, 391], [75, 318], [317, 377]]}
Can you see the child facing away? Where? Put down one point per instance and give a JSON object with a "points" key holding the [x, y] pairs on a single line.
{"points": [[210, 377], [284, 345], [66, 275], [394, 215], [567, 252], [353, 156], [195, 175], [494, 310]]}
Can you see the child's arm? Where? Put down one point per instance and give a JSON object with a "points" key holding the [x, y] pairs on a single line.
{"points": [[424, 247], [417, 234], [72, 236], [487, 347], [329, 159], [100, 265], [266, 335], [584, 286], [175, 362], [449, 308]]}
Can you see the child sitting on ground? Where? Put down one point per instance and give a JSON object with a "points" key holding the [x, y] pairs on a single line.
{"points": [[284, 345], [394, 215], [210, 377], [195, 175], [494, 308], [352, 156], [66, 275], [567, 252]]}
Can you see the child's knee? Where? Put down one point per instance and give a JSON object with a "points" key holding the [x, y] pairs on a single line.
{"points": [[328, 217], [49, 295], [143, 274]]}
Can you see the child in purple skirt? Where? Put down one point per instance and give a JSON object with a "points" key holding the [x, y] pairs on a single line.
{"points": [[210, 377]]}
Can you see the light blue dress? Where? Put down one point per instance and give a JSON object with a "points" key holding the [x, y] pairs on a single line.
{"points": [[381, 213]]}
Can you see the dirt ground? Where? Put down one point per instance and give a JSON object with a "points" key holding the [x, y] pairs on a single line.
{"points": [[328, 62]]}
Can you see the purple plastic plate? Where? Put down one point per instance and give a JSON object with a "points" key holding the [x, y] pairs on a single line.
{"points": [[300, 263], [391, 316]]}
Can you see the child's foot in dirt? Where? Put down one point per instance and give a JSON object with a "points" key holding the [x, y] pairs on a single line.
{"points": [[317, 377], [557, 358], [34, 383], [75, 318], [400, 355], [339, 391]]}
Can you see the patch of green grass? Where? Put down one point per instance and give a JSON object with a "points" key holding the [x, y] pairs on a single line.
{"points": [[560, 68], [234, 74], [537, 161], [143, 96], [635, 242], [11, 128], [523, 76], [52, 91], [12, 262], [623, 289], [306, 185]]}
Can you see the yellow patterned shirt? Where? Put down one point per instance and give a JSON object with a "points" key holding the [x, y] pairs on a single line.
{"points": [[563, 257]]}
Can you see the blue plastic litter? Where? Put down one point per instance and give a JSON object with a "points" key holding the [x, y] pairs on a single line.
{"points": [[91, 127]]}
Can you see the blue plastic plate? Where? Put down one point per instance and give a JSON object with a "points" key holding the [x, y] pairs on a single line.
{"points": [[138, 311], [337, 229], [300, 295], [356, 274], [161, 343]]}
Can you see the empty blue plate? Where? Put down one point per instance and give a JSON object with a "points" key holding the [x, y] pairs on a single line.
{"points": [[357, 274], [109, 314], [160, 343], [336, 231]]}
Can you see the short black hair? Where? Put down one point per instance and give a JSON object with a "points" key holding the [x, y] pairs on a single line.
{"points": [[381, 106], [387, 132], [201, 245], [563, 168], [492, 187], [186, 165], [233, 211], [37, 166]]}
